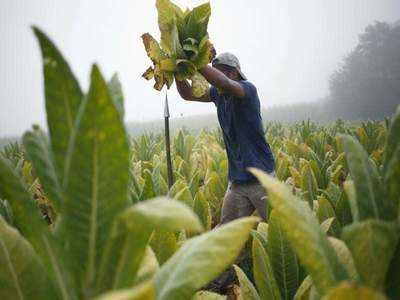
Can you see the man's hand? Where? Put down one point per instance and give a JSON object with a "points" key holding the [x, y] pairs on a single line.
{"points": [[222, 82], [185, 90]]}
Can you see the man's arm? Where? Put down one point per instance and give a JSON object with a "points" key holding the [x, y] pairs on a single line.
{"points": [[185, 90], [222, 82]]}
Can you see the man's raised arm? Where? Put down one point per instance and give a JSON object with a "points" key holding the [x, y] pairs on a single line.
{"points": [[185, 90], [218, 79]]}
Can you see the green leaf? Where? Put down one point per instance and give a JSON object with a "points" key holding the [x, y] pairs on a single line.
{"points": [[27, 218], [144, 291], [193, 265], [40, 155], [63, 98], [303, 292], [6, 212], [309, 184], [165, 244], [263, 273], [343, 210], [197, 21], [148, 190], [148, 267], [326, 225], [351, 291], [283, 260], [370, 199], [163, 213], [191, 50], [168, 27], [345, 257], [185, 196], [205, 54], [185, 69], [160, 186], [122, 256], [392, 140], [127, 243], [96, 188], [372, 244], [262, 228], [115, 90], [32, 226], [202, 209], [304, 234], [392, 284], [247, 290], [22, 275], [391, 180], [168, 64], [326, 211]]}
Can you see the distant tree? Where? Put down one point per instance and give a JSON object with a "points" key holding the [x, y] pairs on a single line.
{"points": [[367, 85]]}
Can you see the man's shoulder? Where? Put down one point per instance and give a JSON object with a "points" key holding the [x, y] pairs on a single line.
{"points": [[249, 88], [248, 83]]}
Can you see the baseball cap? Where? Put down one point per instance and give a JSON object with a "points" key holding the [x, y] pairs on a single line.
{"points": [[228, 59]]}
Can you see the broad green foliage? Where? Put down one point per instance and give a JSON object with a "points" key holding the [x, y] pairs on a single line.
{"points": [[372, 244], [63, 99], [263, 273], [98, 243], [284, 261], [22, 275], [78, 221], [201, 259], [100, 148], [184, 47], [305, 235], [369, 192]]}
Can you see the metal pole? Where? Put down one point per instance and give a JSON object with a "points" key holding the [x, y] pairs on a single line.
{"points": [[168, 143]]}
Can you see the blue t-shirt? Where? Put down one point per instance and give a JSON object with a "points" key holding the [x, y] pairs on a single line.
{"points": [[241, 124]]}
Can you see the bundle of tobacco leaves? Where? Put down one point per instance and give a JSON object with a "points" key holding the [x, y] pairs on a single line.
{"points": [[184, 48]]}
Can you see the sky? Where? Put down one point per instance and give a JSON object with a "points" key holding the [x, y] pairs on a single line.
{"points": [[286, 48]]}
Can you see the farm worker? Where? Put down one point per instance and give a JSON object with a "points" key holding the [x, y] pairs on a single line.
{"points": [[238, 108]]}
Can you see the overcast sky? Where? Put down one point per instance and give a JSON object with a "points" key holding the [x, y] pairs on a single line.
{"points": [[287, 48]]}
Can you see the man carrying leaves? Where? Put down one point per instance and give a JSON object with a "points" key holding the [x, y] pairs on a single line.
{"points": [[238, 108], [183, 54]]}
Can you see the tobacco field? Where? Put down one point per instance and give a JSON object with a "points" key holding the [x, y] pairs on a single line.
{"points": [[86, 212]]}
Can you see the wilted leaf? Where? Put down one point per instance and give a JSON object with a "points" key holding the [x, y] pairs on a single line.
{"points": [[247, 289], [148, 74], [199, 85], [153, 49]]}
